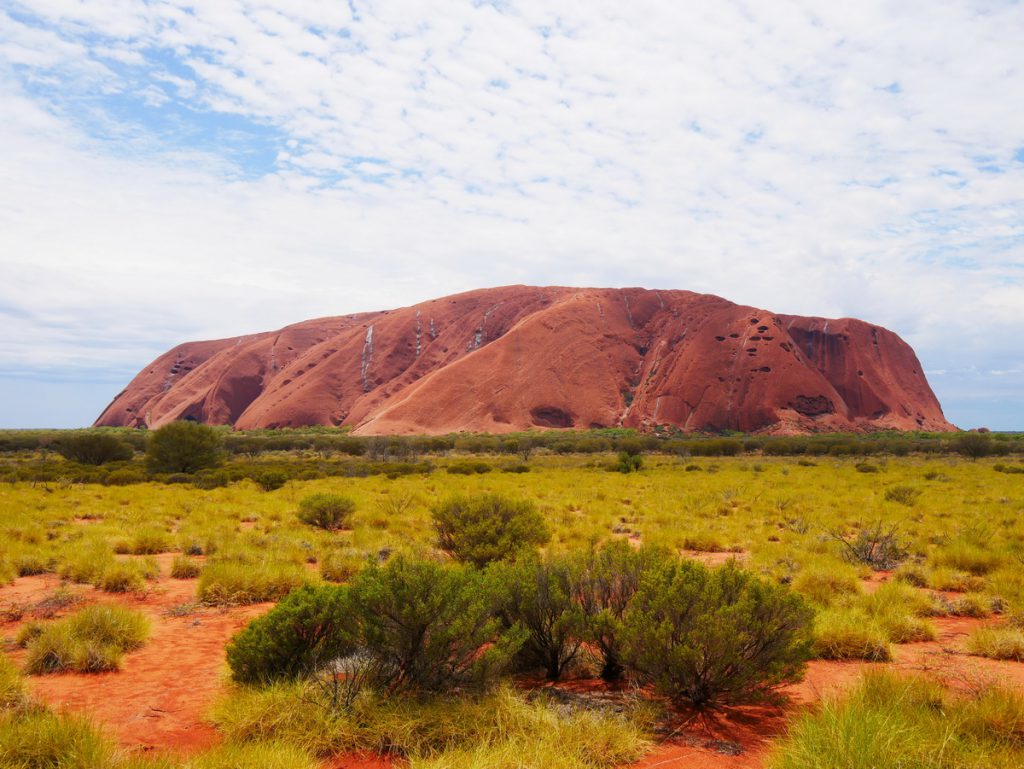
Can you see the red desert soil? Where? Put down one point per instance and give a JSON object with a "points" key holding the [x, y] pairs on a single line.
{"points": [[159, 698], [507, 359]]}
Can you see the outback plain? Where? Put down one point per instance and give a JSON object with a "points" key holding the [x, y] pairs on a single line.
{"points": [[589, 599]]}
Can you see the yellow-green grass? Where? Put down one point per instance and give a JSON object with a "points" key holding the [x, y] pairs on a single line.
{"points": [[966, 526], [91, 640], [485, 730], [890, 721], [1000, 643], [965, 533]]}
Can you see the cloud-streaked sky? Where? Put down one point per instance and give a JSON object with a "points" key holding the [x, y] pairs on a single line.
{"points": [[173, 170]]}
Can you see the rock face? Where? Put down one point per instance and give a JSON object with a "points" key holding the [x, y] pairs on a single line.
{"points": [[519, 357]]}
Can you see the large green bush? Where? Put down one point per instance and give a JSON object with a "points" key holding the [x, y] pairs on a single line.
{"points": [[183, 447], [715, 635], [310, 628], [489, 527], [430, 628], [604, 585], [537, 594]]}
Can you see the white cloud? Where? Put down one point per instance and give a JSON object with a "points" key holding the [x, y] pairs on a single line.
{"points": [[808, 157]]}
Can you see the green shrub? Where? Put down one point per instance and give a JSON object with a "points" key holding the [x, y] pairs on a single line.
{"points": [[183, 567], [709, 635], [538, 594], [603, 587], [310, 628], [489, 527], [326, 511], [91, 448], [89, 641], [183, 447], [271, 480], [237, 582], [629, 463], [430, 627]]}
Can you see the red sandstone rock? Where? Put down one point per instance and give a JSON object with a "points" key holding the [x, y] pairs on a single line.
{"points": [[512, 358]]}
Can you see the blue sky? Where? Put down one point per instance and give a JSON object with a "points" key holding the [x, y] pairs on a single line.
{"points": [[176, 171]]}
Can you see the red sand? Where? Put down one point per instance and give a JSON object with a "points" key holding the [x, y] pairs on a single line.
{"points": [[518, 357], [160, 695]]}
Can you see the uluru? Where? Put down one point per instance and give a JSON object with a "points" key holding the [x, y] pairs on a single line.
{"points": [[519, 357]]}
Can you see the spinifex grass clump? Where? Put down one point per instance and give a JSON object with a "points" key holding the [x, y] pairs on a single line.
{"points": [[232, 582], [183, 567], [35, 738], [1000, 643], [12, 688], [894, 722], [91, 640], [849, 634], [498, 729]]}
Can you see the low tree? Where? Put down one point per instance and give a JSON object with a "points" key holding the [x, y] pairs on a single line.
{"points": [[709, 636], [183, 447], [489, 527], [90, 448], [309, 629]]}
